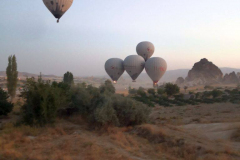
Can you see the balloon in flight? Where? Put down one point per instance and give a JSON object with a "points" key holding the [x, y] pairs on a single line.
{"points": [[145, 49], [155, 68], [134, 65], [58, 7], [114, 68]]}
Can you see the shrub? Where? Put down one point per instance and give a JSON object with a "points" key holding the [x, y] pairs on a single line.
{"points": [[151, 91], [132, 91], [171, 89], [216, 93], [42, 101], [118, 111], [160, 91], [100, 108], [141, 92], [5, 106], [107, 87]]}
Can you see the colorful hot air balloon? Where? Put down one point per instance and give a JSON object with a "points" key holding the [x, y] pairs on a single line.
{"points": [[114, 68], [155, 68], [134, 65], [58, 7], [145, 49]]}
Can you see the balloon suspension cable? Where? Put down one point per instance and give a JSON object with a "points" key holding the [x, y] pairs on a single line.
{"points": [[134, 81], [58, 20]]}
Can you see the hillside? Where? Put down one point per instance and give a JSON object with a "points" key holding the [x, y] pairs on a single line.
{"points": [[170, 76]]}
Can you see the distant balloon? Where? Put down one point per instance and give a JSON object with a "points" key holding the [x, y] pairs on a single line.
{"points": [[58, 7], [155, 68], [145, 49], [134, 65], [114, 68]]}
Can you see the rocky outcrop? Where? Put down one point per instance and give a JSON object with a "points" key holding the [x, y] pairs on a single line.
{"points": [[238, 75], [231, 78], [180, 81], [204, 72]]}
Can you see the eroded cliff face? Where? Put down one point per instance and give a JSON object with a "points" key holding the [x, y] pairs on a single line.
{"points": [[180, 81], [204, 72], [231, 78]]}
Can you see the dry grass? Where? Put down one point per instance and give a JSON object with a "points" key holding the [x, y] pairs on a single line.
{"points": [[53, 143], [236, 135]]}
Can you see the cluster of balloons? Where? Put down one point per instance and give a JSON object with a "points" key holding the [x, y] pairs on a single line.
{"points": [[134, 64], [58, 7]]}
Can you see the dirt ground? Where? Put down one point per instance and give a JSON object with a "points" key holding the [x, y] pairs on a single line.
{"points": [[201, 132]]}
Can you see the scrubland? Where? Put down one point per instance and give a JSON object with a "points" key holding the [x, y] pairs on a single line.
{"points": [[209, 131]]}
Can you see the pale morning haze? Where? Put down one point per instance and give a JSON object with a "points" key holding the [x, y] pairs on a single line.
{"points": [[92, 31]]}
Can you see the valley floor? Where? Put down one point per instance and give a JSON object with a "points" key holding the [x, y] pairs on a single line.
{"points": [[203, 132]]}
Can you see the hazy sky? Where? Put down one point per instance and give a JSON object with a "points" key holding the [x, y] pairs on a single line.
{"points": [[92, 31]]}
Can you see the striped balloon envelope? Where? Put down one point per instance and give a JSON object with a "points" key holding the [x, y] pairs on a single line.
{"points": [[58, 7]]}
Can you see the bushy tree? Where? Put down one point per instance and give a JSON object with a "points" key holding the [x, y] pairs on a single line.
{"points": [[141, 92], [171, 89], [152, 91], [101, 107], [42, 100], [5, 106], [107, 87], [132, 91], [12, 76], [120, 111], [68, 78], [160, 91], [216, 93]]}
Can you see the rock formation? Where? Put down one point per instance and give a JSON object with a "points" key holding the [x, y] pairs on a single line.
{"points": [[180, 81], [204, 72], [238, 75], [231, 78]]}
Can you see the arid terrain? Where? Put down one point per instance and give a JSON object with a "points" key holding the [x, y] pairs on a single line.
{"points": [[209, 131]]}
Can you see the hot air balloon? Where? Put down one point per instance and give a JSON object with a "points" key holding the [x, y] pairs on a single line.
{"points": [[134, 65], [114, 68], [145, 49], [58, 7], [155, 68]]}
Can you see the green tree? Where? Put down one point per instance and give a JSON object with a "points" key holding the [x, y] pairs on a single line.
{"points": [[68, 78], [5, 106], [160, 91], [132, 91], [12, 76], [141, 92], [171, 89], [42, 101], [216, 93], [152, 91], [107, 87]]}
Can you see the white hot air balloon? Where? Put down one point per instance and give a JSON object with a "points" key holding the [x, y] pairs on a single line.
{"points": [[58, 7], [155, 68], [134, 65], [114, 68], [145, 49]]}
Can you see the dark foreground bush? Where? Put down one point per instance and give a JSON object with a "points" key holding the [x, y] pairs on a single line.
{"points": [[104, 109], [5, 106], [98, 106], [42, 100]]}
